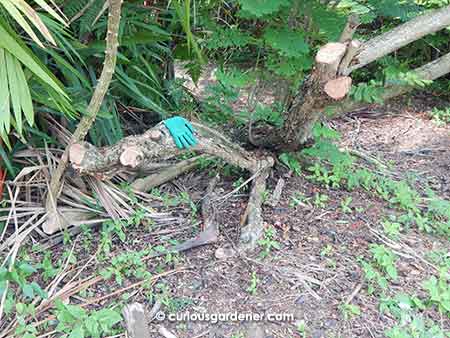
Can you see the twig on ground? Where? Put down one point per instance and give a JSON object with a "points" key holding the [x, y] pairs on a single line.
{"points": [[354, 293], [165, 332]]}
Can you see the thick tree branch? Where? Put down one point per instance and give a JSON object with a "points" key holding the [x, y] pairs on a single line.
{"points": [[133, 153], [384, 44], [431, 71]]}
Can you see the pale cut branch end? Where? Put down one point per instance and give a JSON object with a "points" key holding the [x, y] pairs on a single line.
{"points": [[338, 88]]}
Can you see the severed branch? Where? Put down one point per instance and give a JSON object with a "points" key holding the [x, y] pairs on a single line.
{"points": [[384, 44], [133, 153], [430, 71], [253, 231], [168, 174]]}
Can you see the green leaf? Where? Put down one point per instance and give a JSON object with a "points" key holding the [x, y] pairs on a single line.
{"points": [[288, 43], [259, 8], [5, 120], [14, 87], [76, 311], [25, 56], [107, 318], [18, 17], [28, 291], [77, 332], [50, 11], [92, 327], [27, 268], [38, 290], [25, 96]]}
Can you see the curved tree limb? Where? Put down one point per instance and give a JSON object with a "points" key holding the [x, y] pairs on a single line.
{"points": [[101, 89], [137, 152], [133, 153]]}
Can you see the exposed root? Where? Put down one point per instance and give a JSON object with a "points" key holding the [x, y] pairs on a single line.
{"points": [[252, 232]]}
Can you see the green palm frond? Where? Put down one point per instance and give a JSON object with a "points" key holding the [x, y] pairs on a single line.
{"points": [[26, 17], [19, 67]]}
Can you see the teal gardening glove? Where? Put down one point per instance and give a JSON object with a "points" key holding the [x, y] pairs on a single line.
{"points": [[181, 131]]}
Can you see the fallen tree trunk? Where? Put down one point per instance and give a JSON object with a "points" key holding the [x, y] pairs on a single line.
{"points": [[136, 153]]}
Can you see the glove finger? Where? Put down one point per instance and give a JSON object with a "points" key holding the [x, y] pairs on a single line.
{"points": [[190, 127], [187, 140], [178, 142], [184, 142], [192, 139]]}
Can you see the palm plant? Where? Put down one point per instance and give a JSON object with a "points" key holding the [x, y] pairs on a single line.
{"points": [[20, 28]]}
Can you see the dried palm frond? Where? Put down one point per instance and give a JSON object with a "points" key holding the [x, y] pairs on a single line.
{"points": [[86, 201]]}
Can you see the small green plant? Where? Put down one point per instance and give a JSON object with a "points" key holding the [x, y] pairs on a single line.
{"points": [[385, 259], [345, 205], [350, 310], [439, 290], [76, 322], [48, 270], [326, 251], [127, 264], [292, 162], [254, 281], [367, 92], [172, 304], [380, 269], [407, 311], [391, 228], [23, 329], [20, 275], [320, 200], [268, 243], [298, 199], [440, 117]]}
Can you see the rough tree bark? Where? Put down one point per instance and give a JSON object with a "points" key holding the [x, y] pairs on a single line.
{"points": [[384, 44]]}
